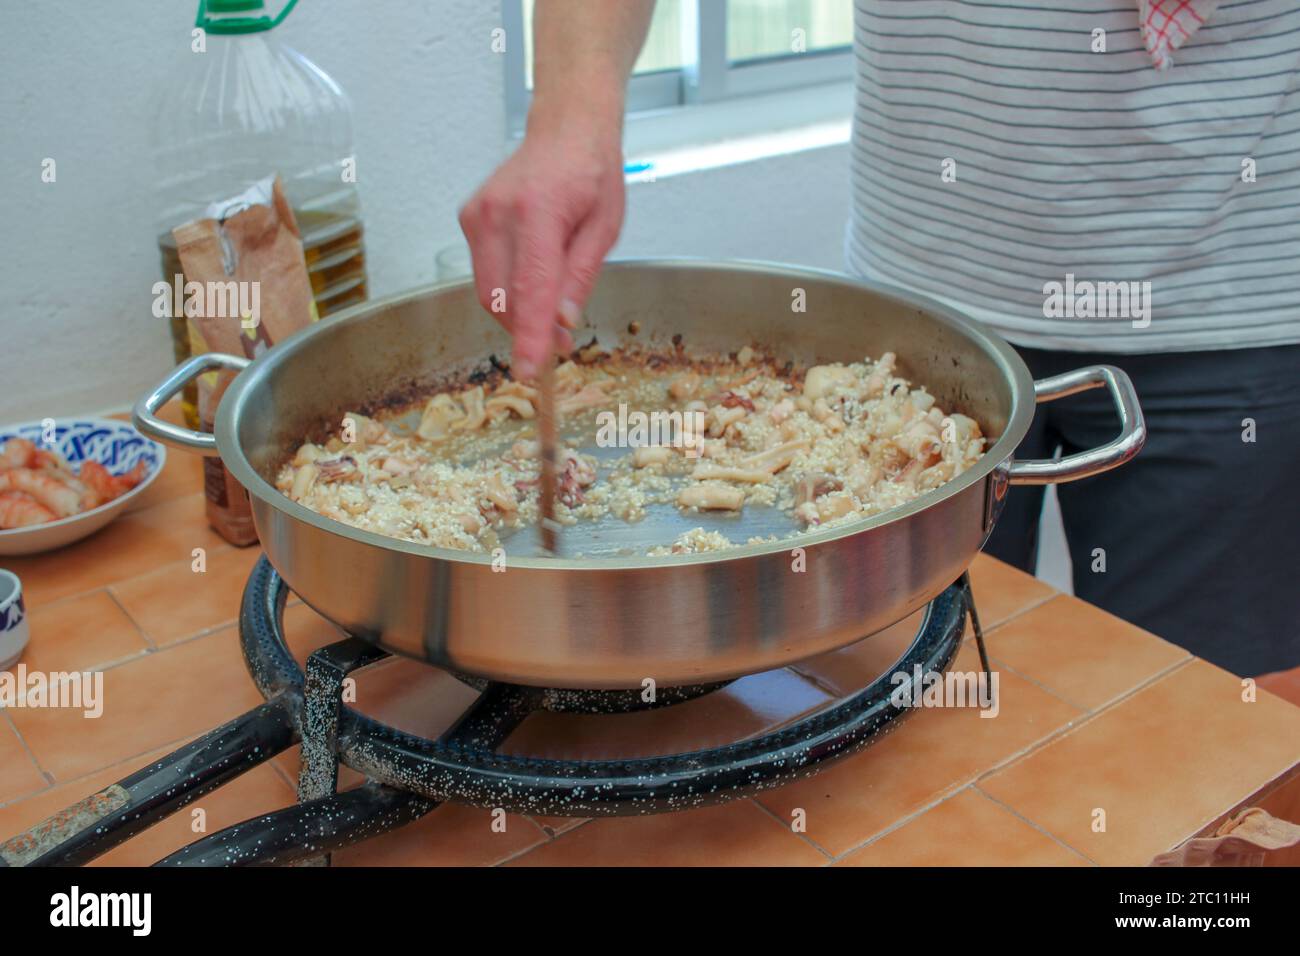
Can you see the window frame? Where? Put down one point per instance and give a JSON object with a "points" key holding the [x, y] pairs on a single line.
{"points": [[708, 76]]}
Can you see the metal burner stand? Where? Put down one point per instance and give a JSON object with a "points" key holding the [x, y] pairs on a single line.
{"points": [[407, 775]]}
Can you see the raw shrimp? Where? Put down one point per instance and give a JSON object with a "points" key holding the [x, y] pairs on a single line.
{"points": [[108, 486], [61, 498], [18, 510]]}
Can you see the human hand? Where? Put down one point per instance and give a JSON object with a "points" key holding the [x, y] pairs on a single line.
{"points": [[539, 229]]}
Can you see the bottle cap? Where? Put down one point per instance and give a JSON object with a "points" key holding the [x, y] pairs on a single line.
{"points": [[238, 16]]}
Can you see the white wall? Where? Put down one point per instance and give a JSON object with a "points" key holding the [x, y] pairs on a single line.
{"points": [[79, 256]]}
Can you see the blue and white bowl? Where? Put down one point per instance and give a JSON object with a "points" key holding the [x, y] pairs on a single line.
{"points": [[13, 619], [114, 444]]}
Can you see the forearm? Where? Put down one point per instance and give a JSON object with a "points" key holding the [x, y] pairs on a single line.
{"points": [[584, 53]]}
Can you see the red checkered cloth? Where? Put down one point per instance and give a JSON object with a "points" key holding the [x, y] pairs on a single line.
{"points": [[1168, 24]]}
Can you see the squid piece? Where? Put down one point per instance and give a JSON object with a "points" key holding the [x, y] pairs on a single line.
{"points": [[776, 458], [366, 431], [590, 396], [721, 418], [822, 380], [524, 449], [963, 430], [342, 468], [826, 508], [862, 477], [822, 412], [684, 386], [307, 453], [517, 390], [304, 479], [780, 411], [922, 402], [812, 487], [756, 476], [393, 465], [568, 378], [501, 497], [475, 411], [711, 498], [920, 440], [577, 473], [879, 377], [471, 523], [510, 403], [647, 455], [732, 399], [353, 500], [440, 412]]}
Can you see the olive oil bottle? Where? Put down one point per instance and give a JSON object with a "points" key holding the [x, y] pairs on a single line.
{"points": [[242, 105]]}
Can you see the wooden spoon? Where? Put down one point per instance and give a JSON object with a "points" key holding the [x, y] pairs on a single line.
{"points": [[546, 436]]}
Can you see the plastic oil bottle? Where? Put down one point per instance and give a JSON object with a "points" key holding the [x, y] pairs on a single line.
{"points": [[242, 106]]}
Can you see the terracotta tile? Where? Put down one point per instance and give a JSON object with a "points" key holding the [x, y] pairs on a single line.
{"points": [[306, 631], [162, 696], [1280, 797], [935, 750], [290, 765], [405, 694], [24, 814], [554, 826], [175, 602], [249, 795], [133, 544], [258, 791], [742, 709], [19, 776], [1002, 591], [450, 835], [181, 475], [412, 696], [1080, 652], [853, 668], [1161, 764], [967, 829], [1284, 684], [733, 834], [81, 633]]}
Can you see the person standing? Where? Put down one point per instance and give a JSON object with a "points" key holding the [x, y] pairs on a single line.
{"points": [[1007, 160]]}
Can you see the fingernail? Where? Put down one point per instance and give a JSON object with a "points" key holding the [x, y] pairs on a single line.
{"points": [[521, 369], [570, 313]]}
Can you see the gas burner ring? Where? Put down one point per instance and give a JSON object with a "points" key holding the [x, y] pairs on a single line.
{"points": [[462, 764]]}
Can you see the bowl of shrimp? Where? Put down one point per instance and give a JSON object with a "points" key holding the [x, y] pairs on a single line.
{"points": [[64, 479]]}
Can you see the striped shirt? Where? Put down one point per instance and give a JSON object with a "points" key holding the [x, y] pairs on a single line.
{"points": [[997, 159]]}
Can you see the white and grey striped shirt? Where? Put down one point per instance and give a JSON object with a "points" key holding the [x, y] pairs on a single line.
{"points": [[1069, 162]]}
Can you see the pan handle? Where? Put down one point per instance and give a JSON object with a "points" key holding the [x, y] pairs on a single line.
{"points": [[144, 415], [1132, 430]]}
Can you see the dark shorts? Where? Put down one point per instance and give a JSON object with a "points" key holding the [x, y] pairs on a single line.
{"points": [[1200, 532]]}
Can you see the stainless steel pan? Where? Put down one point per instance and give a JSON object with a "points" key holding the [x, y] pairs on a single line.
{"points": [[611, 619]]}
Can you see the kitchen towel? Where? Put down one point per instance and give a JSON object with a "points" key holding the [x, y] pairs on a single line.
{"points": [[1252, 838], [1168, 24]]}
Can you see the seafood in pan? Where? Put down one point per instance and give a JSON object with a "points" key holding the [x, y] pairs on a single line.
{"points": [[825, 445]]}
